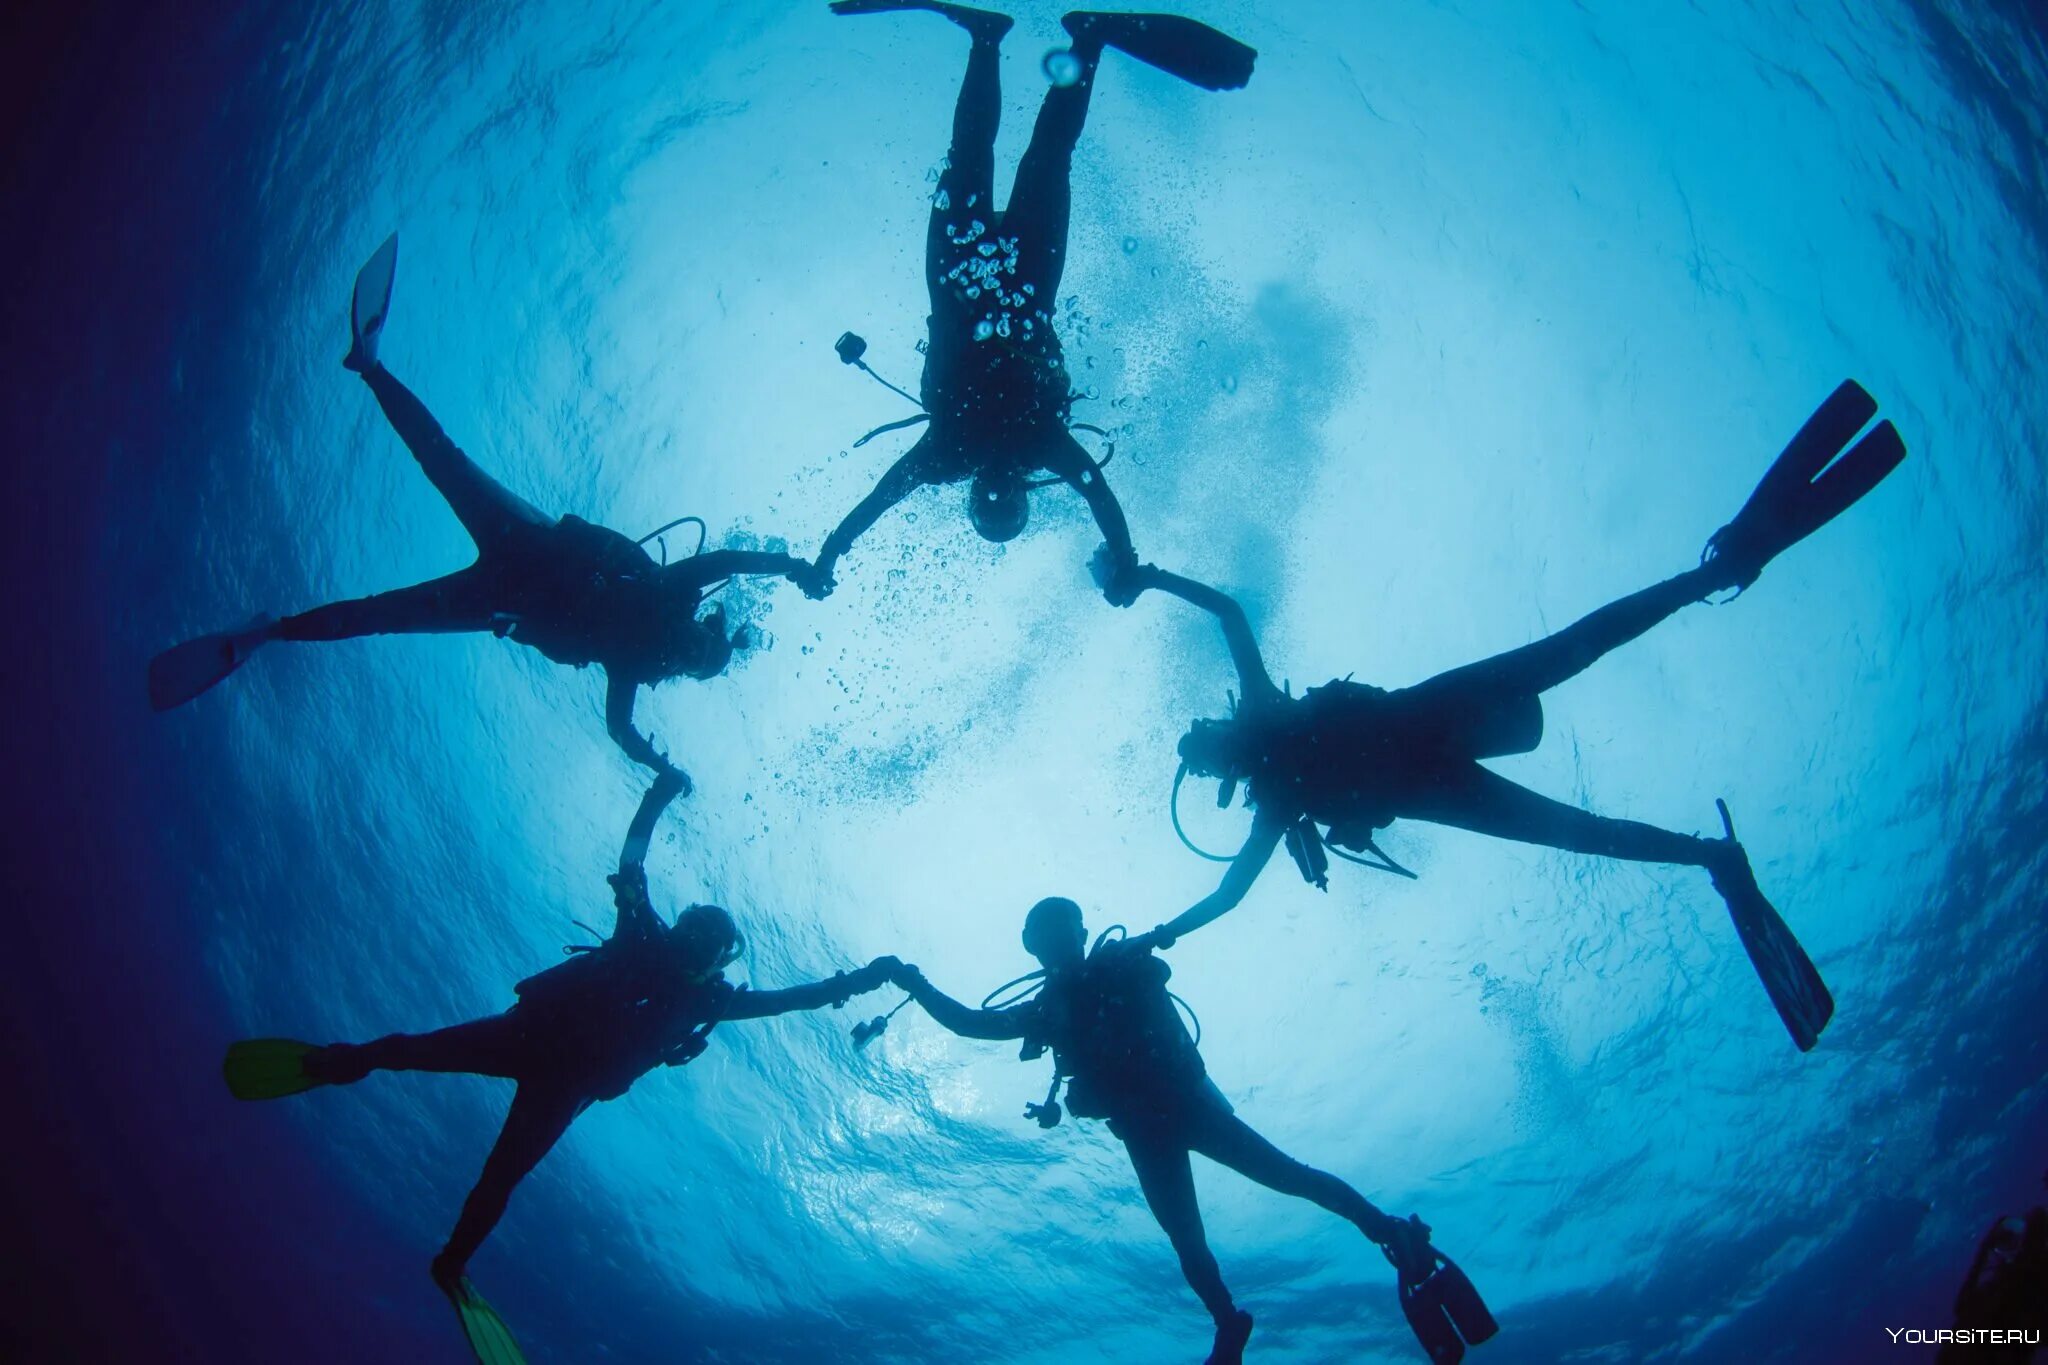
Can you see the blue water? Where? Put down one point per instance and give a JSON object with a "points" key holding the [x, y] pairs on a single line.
{"points": [[1460, 321]]}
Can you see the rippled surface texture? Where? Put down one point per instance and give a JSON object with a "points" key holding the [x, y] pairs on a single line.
{"points": [[1460, 321]]}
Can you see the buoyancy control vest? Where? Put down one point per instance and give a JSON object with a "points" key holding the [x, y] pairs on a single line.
{"points": [[1115, 1035], [615, 1012]]}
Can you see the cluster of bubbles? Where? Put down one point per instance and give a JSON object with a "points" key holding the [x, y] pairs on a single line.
{"points": [[986, 270]]}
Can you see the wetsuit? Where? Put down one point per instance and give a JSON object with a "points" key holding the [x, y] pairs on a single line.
{"points": [[1356, 758], [581, 1032], [1114, 1033], [995, 379], [577, 592]]}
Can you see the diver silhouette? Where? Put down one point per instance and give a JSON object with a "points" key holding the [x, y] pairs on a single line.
{"points": [[1355, 758], [1125, 1056], [577, 592], [580, 1032], [2005, 1293], [995, 383]]}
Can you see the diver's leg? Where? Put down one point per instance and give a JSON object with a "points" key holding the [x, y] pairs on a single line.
{"points": [[1467, 796], [540, 1114], [1229, 1141], [1042, 198], [1168, 1180], [486, 508], [492, 1046], [967, 184], [452, 604], [1538, 667]]}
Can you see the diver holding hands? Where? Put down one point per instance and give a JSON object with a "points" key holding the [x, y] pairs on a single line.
{"points": [[1124, 1055]]}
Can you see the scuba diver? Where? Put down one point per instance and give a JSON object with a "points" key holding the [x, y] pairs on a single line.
{"points": [[1124, 1055], [580, 1032], [2003, 1304], [1355, 758], [577, 592], [995, 387]]}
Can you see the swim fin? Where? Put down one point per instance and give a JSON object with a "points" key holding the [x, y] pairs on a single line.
{"points": [[1788, 974], [184, 671], [370, 306], [1443, 1309], [268, 1068], [1802, 491], [1179, 46], [488, 1336]]}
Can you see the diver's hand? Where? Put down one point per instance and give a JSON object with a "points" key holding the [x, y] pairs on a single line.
{"points": [[1406, 1245], [817, 582], [1159, 940], [684, 786], [1119, 578], [879, 973], [629, 888], [906, 976]]}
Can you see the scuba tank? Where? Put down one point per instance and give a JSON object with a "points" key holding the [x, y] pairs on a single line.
{"points": [[1106, 1005]]}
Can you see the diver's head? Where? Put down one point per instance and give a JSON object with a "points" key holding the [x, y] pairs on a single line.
{"points": [[698, 646], [705, 940], [1055, 935], [1214, 748], [998, 503]]}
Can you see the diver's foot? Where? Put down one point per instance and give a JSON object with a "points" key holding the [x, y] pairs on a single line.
{"points": [[361, 357], [984, 24], [260, 631], [1726, 861], [336, 1064], [1735, 556], [1085, 27], [1231, 1335], [450, 1275]]}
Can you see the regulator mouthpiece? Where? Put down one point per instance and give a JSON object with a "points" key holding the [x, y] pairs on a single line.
{"points": [[850, 348]]}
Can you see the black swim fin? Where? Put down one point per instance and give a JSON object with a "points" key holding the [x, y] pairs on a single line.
{"points": [[1802, 491], [370, 305], [1788, 974], [1177, 45], [488, 1336], [1443, 1309], [268, 1068], [184, 671]]}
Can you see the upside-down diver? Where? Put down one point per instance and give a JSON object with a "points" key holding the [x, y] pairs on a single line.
{"points": [[995, 384]]}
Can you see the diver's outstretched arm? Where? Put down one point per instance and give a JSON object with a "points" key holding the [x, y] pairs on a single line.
{"points": [[835, 991], [636, 917], [954, 1017], [701, 570], [1244, 869], [1076, 467], [905, 477], [619, 693], [1252, 678]]}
